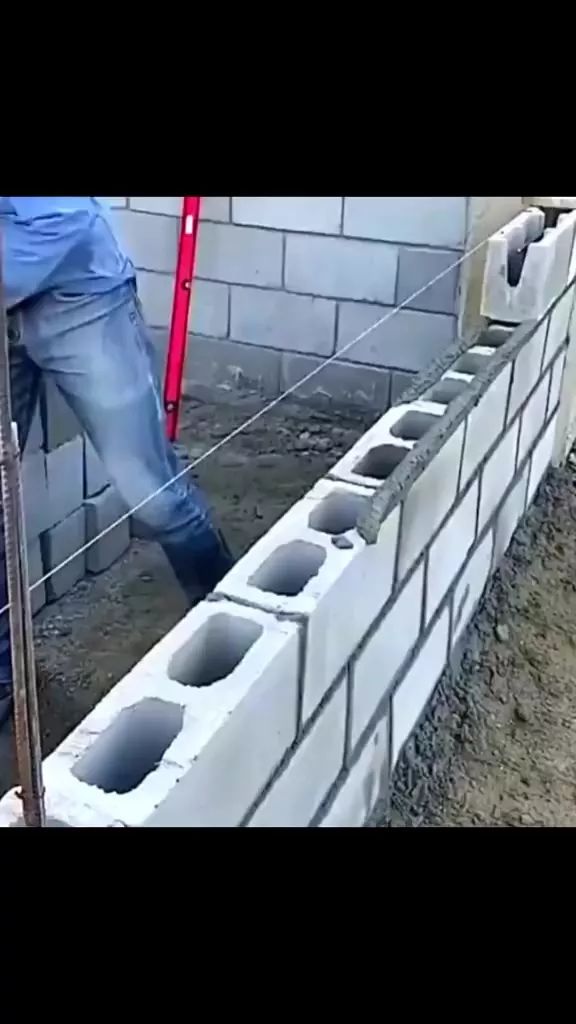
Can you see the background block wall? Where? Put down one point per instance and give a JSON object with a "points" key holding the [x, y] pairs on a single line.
{"points": [[281, 277], [62, 479]]}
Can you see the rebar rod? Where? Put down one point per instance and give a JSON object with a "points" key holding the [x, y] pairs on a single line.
{"points": [[26, 723]]}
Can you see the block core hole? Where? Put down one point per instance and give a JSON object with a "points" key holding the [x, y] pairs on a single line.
{"points": [[132, 747]]}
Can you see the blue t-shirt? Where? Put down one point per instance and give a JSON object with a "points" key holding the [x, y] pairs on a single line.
{"points": [[58, 243]]}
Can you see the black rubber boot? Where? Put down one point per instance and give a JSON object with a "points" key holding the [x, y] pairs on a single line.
{"points": [[214, 565]]}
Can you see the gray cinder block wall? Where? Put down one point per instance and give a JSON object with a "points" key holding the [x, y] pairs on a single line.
{"points": [[285, 281], [62, 480]]}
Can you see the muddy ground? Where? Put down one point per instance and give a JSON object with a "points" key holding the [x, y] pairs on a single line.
{"points": [[498, 746]]}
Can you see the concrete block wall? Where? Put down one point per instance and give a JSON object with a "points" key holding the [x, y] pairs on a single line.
{"points": [[285, 281], [286, 699], [61, 475]]}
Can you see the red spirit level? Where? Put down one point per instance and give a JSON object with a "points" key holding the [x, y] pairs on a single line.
{"points": [[180, 312]]}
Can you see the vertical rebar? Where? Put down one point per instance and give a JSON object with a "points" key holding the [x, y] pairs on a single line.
{"points": [[26, 725]]}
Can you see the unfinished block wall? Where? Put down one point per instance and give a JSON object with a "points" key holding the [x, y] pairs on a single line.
{"points": [[285, 281], [286, 699]]}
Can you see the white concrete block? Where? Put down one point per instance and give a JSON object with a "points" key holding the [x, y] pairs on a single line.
{"points": [[168, 205], [309, 574], [277, 319], [498, 474], [450, 550], [150, 242], [114, 202], [428, 220], [543, 276], [471, 586], [567, 222], [58, 545], [429, 500], [533, 418], [237, 255], [572, 265], [559, 325], [382, 448], [385, 652], [215, 208], [509, 517], [566, 428], [556, 383], [65, 479], [102, 511], [35, 439], [180, 742], [58, 811], [299, 792], [556, 202], [408, 340], [95, 479], [156, 293], [210, 312], [59, 423], [364, 785], [412, 696], [37, 515], [541, 458], [527, 369], [293, 213], [485, 423], [340, 268], [35, 574]]}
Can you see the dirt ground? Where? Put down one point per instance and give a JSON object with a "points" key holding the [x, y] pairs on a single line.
{"points": [[498, 746]]}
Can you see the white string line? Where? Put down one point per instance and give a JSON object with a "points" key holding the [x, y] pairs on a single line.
{"points": [[254, 419]]}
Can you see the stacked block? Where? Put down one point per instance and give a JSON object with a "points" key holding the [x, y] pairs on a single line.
{"points": [[528, 265], [67, 501]]}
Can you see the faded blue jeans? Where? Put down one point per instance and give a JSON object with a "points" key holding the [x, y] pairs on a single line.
{"points": [[98, 351]]}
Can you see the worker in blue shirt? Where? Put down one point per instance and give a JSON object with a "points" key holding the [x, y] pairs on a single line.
{"points": [[74, 314]]}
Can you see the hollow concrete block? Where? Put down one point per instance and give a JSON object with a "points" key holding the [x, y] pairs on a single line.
{"points": [[334, 585], [58, 545], [382, 656], [365, 783], [412, 696], [101, 512], [190, 737], [543, 274]]}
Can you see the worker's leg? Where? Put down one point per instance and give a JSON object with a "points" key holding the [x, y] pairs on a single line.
{"points": [[98, 352], [24, 389]]}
